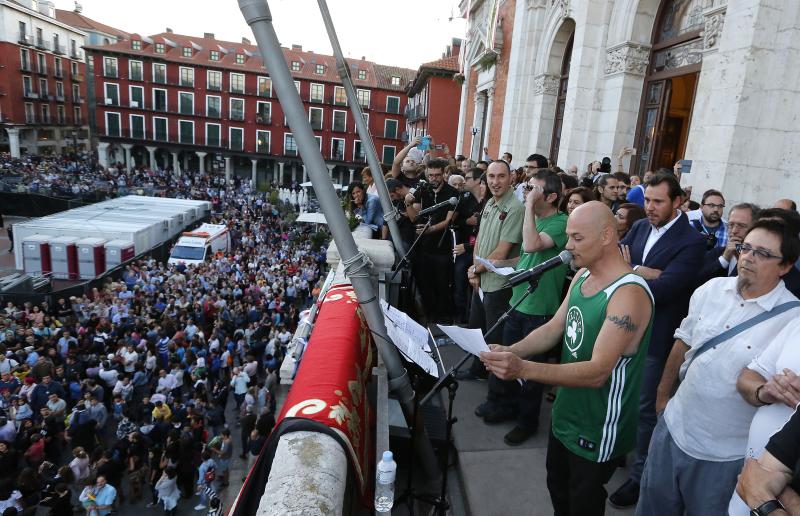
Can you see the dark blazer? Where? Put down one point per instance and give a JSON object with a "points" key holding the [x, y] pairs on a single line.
{"points": [[678, 254]]}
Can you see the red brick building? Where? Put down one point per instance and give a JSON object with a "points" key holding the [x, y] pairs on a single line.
{"points": [[435, 98], [198, 103], [42, 80]]}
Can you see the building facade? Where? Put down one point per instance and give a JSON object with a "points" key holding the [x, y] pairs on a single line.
{"points": [[197, 103], [713, 81], [43, 106], [434, 98]]}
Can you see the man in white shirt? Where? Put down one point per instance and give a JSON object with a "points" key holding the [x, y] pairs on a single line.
{"points": [[7, 365], [698, 446]]}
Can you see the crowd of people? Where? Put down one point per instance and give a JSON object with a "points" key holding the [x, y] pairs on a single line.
{"points": [[668, 335], [122, 395]]}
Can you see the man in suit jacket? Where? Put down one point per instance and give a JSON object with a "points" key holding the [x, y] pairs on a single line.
{"points": [[721, 261], [668, 252]]}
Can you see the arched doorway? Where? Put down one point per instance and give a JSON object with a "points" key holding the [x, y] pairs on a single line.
{"points": [[561, 100], [670, 84]]}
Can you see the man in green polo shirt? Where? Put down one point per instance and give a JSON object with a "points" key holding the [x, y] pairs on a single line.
{"points": [[543, 237], [499, 238]]}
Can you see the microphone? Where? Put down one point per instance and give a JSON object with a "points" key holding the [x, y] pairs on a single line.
{"points": [[449, 202], [563, 257]]}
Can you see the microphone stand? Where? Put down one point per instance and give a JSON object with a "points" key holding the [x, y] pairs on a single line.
{"points": [[455, 210], [405, 258]]}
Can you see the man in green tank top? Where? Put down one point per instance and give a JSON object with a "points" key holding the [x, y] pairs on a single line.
{"points": [[604, 325]]}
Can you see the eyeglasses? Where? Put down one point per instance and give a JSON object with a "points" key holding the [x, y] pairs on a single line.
{"points": [[712, 205], [528, 187], [759, 254]]}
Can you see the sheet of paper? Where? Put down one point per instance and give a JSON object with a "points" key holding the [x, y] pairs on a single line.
{"points": [[416, 331], [503, 271], [410, 349], [468, 339]]}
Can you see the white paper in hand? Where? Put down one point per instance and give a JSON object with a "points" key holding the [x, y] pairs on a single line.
{"points": [[468, 339], [503, 271]]}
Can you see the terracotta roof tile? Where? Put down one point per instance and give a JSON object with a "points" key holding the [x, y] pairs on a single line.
{"points": [[384, 74], [80, 21], [446, 63]]}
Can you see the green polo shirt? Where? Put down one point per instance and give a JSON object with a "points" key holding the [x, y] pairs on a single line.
{"points": [[501, 220]]}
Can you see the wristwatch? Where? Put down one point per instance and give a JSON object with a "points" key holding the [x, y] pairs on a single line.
{"points": [[767, 508]]}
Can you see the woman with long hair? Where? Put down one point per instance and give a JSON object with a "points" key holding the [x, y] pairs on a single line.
{"points": [[575, 197]]}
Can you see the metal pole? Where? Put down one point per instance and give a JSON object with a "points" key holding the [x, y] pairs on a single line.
{"points": [[389, 210], [356, 263]]}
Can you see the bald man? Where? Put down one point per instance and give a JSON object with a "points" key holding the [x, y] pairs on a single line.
{"points": [[786, 204], [604, 325]]}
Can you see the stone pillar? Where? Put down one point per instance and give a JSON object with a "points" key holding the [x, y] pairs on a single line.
{"points": [[281, 164], [330, 171], [186, 162], [165, 164], [352, 175], [201, 156], [543, 112], [176, 166], [102, 154], [254, 174], [13, 142], [127, 148], [489, 107], [152, 151], [294, 174], [305, 174], [227, 169]]}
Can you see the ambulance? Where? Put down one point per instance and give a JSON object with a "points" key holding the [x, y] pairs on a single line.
{"points": [[201, 244]]}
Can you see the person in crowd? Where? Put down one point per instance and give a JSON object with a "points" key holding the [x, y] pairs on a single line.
{"points": [[466, 225], [667, 252], [636, 193], [366, 207], [406, 163], [607, 187], [543, 237], [532, 164], [604, 325], [785, 204], [575, 197], [722, 261], [623, 185], [709, 221], [368, 181], [499, 238], [99, 499], [432, 264], [627, 214], [730, 322]]}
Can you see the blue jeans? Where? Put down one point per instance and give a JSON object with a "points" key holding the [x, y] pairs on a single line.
{"points": [[651, 376], [525, 399]]}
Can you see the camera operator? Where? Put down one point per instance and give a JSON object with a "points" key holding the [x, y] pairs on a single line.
{"points": [[710, 222], [432, 265]]}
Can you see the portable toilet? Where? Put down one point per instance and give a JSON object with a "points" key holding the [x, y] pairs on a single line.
{"points": [[36, 254], [117, 252], [64, 255], [91, 257]]}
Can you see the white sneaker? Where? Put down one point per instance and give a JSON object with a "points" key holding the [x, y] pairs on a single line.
{"points": [[199, 507]]}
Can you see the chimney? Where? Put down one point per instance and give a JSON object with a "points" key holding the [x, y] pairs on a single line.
{"points": [[169, 31], [208, 35], [78, 8], [297, 47], [363, 58], [245, 41]]}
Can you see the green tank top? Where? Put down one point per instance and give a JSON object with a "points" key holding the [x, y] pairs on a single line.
{"points": [[599, 424]]}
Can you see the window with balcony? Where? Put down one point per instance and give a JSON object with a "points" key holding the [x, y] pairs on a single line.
{"points": [[25, 60], [319, 69], [337, 149], [160, 129], [186, 52], [395, 80], [137, 127], [363, 98], [112, 94], [45, 114], [136, 94], [264, 113], [73, 49], [185, 103], [135, 70], [76, 94], [136, 44], [315, 118], [213, 138], [213, 106], [339, 124], [317, 92], [237, 83], [27, 86], [187, 77], [262, 142], [236, 109], [110, 67], [159, 100], [59, 91], [239, 58], [186, 132], [160, 48], [44, 91], [77, 119], [214, 55], [358, 151], [30, 113], [41, 63], [295, 66], [214, 80], [61, 114], [389, 152], [339, 96], [57, 69], [74, 69], [264, 87], [390, 129], [362, 75], [159, 73], [236, 138], [113, 127], [289, 145], [393, 104]]}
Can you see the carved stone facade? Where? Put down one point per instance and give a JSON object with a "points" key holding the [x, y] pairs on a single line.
{"points": [[627, 58], [545, 84], [712, 29]]}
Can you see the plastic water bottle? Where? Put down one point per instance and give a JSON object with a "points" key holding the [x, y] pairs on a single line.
{"points": [[384, 483]]}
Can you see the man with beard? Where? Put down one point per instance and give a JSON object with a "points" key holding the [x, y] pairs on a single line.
{"points": [[698, 446], [404, 166], [709, 221]]}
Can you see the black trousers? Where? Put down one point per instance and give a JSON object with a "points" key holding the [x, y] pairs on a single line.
{"points": [[433, 273], [576, 485], [484, 314]]}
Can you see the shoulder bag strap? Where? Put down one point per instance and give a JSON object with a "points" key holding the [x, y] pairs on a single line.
{"points": [[739, 328]]}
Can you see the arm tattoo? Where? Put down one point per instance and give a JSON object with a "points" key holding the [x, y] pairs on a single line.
{"points": [[624, 323]]}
